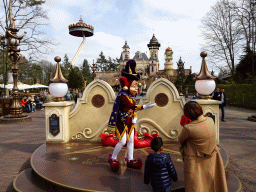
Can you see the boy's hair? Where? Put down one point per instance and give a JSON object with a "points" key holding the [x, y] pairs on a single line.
{"points": [[156, 144]]}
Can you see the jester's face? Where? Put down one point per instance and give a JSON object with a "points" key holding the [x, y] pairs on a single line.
{"points": [[134, 88]]}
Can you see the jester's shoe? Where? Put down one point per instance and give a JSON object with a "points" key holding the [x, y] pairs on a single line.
{"points": [[114, 163], [134, 164]]}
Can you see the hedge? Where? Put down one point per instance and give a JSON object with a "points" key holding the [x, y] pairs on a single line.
{"points": [[241, 95]]}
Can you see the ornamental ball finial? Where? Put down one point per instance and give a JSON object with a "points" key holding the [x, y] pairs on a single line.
{"points": [[203, 54], [57, 59]]}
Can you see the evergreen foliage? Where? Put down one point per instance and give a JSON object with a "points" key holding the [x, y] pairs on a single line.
{"points": [[112, 64], [109, 64], [75, 79], [190, 79], [66, 66], [101, 62], [244, 68], [240, 95], [86, 72]]}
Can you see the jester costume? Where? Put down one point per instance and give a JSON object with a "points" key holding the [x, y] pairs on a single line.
{"points": [[123, 117]]}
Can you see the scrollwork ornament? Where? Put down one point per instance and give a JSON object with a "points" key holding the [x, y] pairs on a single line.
{"points": [[154, 132], [85, 133], [174, 133], [144, 129]]}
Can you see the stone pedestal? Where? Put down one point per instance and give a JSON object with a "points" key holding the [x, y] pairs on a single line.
{"points": [[211, 109], [57, 121]]}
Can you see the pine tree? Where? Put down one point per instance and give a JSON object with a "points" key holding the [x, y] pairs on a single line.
{"points": [[74, 79], [65, 67], [190, 79], [112, 64], [102, 62], [86, 72]]}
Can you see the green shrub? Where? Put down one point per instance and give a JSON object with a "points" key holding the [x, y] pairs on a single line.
{"points": [[241, 95]]}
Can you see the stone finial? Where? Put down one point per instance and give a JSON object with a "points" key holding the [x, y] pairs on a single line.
{"points": [[58, 78], [204, 72], [57, 59]]}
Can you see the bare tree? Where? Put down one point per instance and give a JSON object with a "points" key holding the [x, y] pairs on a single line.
{"points": [[222, 35], [246, 18], [48, 71], [30, 17]]}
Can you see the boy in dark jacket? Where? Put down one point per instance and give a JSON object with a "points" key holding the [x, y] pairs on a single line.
{"points": [[159, 169]]}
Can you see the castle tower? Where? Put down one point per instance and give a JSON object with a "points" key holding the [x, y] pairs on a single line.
{"points": [[125, 55], [168, 65], [153, 51], [181, 72]]}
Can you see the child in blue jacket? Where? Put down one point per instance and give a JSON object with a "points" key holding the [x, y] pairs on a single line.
{"points": [[159, 169]]}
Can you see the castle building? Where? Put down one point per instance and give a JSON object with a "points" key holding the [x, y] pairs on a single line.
{"points": [[146, 66]]}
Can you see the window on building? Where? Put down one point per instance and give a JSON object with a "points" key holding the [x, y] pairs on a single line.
{"points": [[152, 68]]}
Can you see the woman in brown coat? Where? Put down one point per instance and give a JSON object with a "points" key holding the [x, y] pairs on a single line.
{"points": [[203, 165]]}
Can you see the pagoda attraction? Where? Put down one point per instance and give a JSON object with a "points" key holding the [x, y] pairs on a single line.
{"points": [[80, 29]]}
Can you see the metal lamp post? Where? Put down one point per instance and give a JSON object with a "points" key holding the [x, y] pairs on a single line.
{"points": [[14, 55], [4, 44]]}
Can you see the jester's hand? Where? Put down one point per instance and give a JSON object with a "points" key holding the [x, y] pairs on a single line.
{"points": [[149, 105], [134, 120]]}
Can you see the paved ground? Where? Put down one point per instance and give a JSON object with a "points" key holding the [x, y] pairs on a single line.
{"points": [[17, 143], [237, 136]]}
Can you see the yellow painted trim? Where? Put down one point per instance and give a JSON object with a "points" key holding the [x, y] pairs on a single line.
{"points": [[225, 166], [240, 184], [14, 182], [130, 99], [118, 133], [57, 183], [129, 134]]}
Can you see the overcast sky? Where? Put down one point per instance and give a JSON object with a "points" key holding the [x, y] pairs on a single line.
{"points": [[173, 22]]}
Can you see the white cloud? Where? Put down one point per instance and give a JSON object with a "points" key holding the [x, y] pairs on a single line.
{"points": [[175, 22]]}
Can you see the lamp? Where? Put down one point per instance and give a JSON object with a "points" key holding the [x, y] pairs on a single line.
{"points": [[205, 83], [58, 87]]}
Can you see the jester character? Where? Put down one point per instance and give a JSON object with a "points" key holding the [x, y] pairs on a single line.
{"points": [[123, 116]]}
